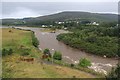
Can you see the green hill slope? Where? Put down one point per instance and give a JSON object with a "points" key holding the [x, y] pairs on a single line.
{"points": [[62, 16]]}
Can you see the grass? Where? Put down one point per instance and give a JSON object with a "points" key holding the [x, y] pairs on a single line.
{"points": [[14, 68], [18, 38], [17, 69], [75, 66]]}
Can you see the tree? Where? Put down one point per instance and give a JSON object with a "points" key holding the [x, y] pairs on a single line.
{"points": [[84, 62], [57, 55], [47, 52]]}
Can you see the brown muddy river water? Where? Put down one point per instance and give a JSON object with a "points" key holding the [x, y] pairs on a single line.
{"points": [[70, 55]]}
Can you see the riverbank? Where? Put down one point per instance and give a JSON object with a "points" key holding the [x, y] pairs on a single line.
{"points": [[13, 67], [70, 55]]}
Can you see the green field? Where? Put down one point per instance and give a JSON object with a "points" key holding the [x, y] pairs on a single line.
{"points": [[21, 41]]}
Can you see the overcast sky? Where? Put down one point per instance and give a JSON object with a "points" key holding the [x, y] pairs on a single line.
{"points": [[18, 9]]}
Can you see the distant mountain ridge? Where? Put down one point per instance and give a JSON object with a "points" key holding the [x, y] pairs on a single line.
{"points": [[76, 14], [67, 15]]}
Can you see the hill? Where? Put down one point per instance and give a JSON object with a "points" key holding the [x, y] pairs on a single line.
{"points": [[62, 16], [71, 15]]}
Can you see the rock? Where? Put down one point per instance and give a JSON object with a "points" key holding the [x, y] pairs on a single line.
{"points": [[104, 56]]}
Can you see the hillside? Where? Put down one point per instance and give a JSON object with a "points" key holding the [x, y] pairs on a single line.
{"points": [[68, 15], [13, 67], [63, 16]]}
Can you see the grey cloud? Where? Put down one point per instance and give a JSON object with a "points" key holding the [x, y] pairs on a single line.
{"points": [[45, 8]]}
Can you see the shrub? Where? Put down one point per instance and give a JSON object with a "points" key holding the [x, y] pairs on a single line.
{"points": [[72, 65], [47, 52], [35, 42], [10, 51], [84, 62], [6, 52], [57, 55], [25, 53]]}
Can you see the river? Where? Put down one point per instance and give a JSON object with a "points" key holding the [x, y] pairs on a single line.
{"points": [[70, 55]]}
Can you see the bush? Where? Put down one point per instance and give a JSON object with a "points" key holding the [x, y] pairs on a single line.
{"points": [[84, 62], [47, 52], [10, 51], [25, 53], [6, 52], [72, 65], [35, 42], [57, 55]]}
